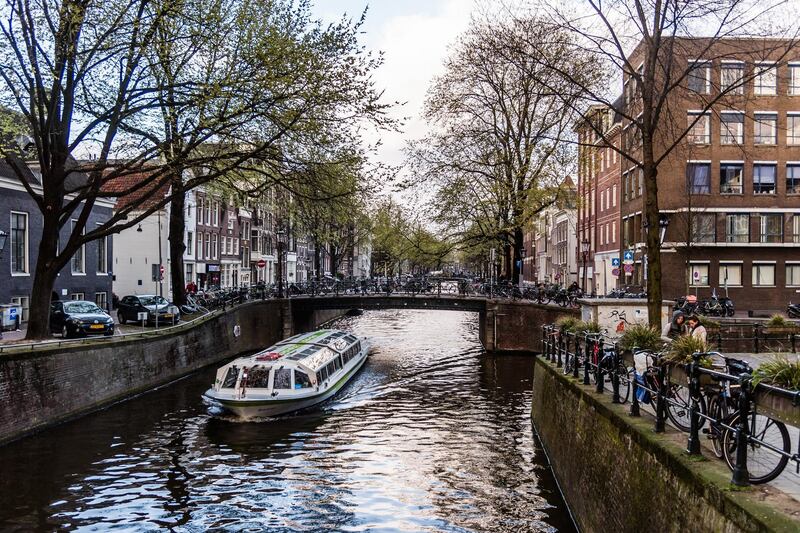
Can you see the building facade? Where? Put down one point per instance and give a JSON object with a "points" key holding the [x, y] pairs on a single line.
{"points": [[555, 240]]}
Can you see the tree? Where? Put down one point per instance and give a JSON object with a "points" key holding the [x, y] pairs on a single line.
{"points": [[648, 43], [496, 154], [164, 88]]}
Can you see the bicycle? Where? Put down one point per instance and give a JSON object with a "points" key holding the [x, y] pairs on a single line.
{"points": [[607, 366]]}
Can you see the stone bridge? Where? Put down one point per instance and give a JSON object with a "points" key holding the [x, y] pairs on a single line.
{"points": [[505, 325]]}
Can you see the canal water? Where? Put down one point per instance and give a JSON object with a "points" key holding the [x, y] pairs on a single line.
{"points": [[432, 435]]}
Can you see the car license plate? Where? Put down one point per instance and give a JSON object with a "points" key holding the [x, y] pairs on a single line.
{"points": [[96, 326], [168, 315]]}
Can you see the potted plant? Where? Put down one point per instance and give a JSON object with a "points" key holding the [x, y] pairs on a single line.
{"points": [[783, 372], [680, 355], [778, 325], [639, 336]]}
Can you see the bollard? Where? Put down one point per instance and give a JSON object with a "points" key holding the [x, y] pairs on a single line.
{"points": [[635, 393], [615, 376], [693, 446], [741, 476], [755, 337], [598, 369], [576, 361], [661, 404], [588, 349]]}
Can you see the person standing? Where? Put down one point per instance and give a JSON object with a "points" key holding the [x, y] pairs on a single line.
{"points": [[696, 329], [674, 328]]}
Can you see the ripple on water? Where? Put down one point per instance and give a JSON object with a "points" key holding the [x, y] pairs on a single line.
{"points": [[432, 435]]}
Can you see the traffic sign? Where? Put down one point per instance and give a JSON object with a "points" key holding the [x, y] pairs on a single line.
{"points": [[615, 261], [628, 257], [628, 268], [261, 263], [615, 272], [162, 269]]}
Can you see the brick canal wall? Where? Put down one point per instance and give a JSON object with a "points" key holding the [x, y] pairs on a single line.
{"points": [[48, 386], [617, 475], [516, 326]]}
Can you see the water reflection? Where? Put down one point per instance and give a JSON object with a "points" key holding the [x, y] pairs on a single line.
{"points": [[432, 435]]}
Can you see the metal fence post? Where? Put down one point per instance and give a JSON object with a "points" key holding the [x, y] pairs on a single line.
{"points": [[755, 337], [793, 340], [576, 360], [588, 349], [599, 373], [719, 340], [693, 446], [661, 404], [615, 376], [544, 341], [741, 476], [562, 343], [635, 394]]}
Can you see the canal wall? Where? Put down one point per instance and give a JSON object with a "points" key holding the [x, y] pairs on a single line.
{"points": [[516, 326], [618, 475], [46, 386]]}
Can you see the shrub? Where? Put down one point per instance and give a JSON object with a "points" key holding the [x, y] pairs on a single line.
{"points": [[779, 371], [682, 348], [567, 323], [641, 336], [777, 321], [583, 326]]}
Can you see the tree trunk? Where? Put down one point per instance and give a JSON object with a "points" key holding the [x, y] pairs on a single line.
{"points": [[653, 241], [507, 254], [317, 260], [518, 245], [177, 246], [44, 281]]}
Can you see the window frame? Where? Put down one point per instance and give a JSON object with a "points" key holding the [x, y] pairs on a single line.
{"points": [[794, 166], [765, 164], [794, 79], [764, 236], [705, 121], [695, 65], [759, 138], [708, 216], [793, 116], [724, 130], [728, 234], [25, 245], [722, 186], [727, 66], [726, 265], [102, 245], [760, 71], [787, 266], [756, 267], [82, 252], [690, 273], [690, 180]]}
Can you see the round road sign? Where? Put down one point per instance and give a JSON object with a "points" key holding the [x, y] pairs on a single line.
{"points": [[261, 263], [628, 268], [615, 272]]}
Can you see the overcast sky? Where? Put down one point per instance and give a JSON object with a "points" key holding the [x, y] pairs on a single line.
{"points": [[414, 35]]}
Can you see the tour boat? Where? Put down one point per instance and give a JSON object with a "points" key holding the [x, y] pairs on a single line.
{"points": [[296, 373]]}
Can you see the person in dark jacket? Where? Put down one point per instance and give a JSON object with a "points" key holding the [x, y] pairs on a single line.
{"points": [[675, 328]]}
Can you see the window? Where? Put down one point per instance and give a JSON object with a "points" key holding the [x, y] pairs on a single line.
{"points": [[614, 231], [792, 274], [79, 259], [19, 243], [731, 77], [698, 274], [301, 380], [771, 227], [216, 213], [699, 77], [698, 179], [200, 211], [231, 377], [794, 78], [614, 196], [764, 178], [214, 246], [738, 228], [793, 178], [208, 212], [101, 299], [766, 79], [704, 228], [796, 228], [189, 242], [223, 245], [763, 274], [24, 304], [699, 131], [230, 221], [766, 128], [282, 379], [102, 255], [730, 178], [257, 378], [76, 296], [730, 275], [793, 128], [731, 127]]}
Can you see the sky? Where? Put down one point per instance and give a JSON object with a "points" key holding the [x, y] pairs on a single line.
{"points": [[414, 36]]}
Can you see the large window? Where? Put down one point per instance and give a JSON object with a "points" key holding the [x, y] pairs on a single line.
{"points": [[764, 178], [698, 274], [793, 274], [730, 177], [766, 128], [731, 127], [699, 77], [24, 304], [19, 243], [794, 78], [698, 178], [796, 228], [214, 246], [738, 228], [731, 77], [101, 299], [189, 243], [79, 259], [700, 128], [102, 255], [766, 79], [793, 178], [704, 228], [200, 211], [793, 128], [771, 227], [763, 274], [730, 274]]}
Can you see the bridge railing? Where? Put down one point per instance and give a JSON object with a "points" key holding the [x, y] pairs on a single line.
{"points": [[689, 395]]}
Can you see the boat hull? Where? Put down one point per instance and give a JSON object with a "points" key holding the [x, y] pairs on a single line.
{"points": [[267, 407]]}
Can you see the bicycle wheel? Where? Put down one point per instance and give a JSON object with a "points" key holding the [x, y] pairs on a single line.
{"points": [[679, 407], [763, 464], [717, 410], [625, 378]]}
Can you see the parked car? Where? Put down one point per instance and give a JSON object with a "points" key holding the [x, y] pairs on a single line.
{"points": [[130, 307], [78, 317]]}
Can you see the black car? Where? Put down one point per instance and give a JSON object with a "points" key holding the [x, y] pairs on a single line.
{"points": [[130, 307], [78, 317]]}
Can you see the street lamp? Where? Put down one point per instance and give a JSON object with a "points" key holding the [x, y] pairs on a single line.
{"points": [[663, 223], [280, 237], [585, 244]]}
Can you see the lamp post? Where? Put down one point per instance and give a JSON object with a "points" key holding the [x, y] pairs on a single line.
{"points": [[280, 237], [3, 237], [585, 244], [663, 224]]}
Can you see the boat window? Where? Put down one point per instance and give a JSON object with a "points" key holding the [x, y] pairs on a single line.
{"points": [[301, 380], [283, 379], [258, 377], [230, 378], [323, 373], [358, 347], [337, 364], [331, 368]]}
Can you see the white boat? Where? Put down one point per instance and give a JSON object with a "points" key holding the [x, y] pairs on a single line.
{"points": [[296, 373]]}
